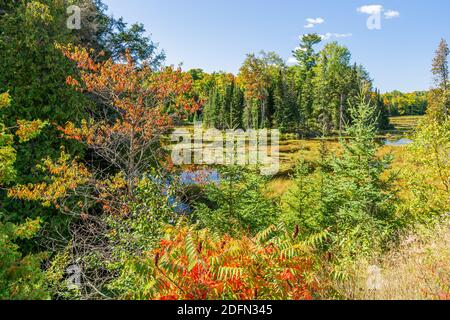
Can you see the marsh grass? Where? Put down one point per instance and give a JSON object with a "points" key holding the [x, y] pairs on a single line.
{"points": [[405, 123], [293, 150], [417, 269]]}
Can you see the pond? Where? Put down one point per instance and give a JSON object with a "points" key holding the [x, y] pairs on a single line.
{"points": [[190, 178], [200, 177], [397, 143]]}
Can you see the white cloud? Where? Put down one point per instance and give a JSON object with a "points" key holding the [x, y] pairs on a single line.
{"points": [[374, 9], [311, 22], [329, 35], [371, 9], [391, 14], [315, 21]]}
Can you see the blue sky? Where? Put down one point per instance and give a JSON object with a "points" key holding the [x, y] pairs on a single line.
{"points": [[217, 34]]}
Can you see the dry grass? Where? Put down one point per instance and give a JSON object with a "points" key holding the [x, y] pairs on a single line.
{"points": [[279, 186], [292, 151], [405, 123], [418, 269]]}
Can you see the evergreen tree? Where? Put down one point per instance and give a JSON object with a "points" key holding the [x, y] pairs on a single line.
{"points": [[34, 73], [237, 106], [336, 85], [347, 194], [382, 111], [306, 99], [227, 105], [307, 60], [238, 204], [210, 111], [20, 274], [280, 106], [286, 116]]}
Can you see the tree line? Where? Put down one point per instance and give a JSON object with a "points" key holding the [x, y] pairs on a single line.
{"points": [[406, 104], [309, 98]]}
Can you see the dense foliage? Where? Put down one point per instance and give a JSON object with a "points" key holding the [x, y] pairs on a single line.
{"points": [[92, 207], [20, 275], [237, 204], [200, 265], [312, 96], [347, 193], [402, 104]]}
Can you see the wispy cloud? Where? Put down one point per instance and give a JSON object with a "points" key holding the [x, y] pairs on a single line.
{"points": [[374, 9], [311, 22], [371, 9], [328, 36], [391, 14]]}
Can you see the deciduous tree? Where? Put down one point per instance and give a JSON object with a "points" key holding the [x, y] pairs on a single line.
{"points": [[138, 106]]}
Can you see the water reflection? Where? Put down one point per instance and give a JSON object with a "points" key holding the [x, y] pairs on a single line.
{"points": [[397, 143], [200, 177]]}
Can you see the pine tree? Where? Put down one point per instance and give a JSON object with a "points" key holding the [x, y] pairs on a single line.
{"points": [[280, 106], [382, 111], [307, 60], [347, 193], [237, 108], [210, 110], [238, 204], [286, 117], [227, 105]]}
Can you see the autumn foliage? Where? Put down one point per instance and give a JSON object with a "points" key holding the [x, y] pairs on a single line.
{"points": [[137, 107], [199, 265], [66, 176], [92, 207]]}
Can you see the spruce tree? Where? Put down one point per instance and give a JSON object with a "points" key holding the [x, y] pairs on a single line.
{"points": [[236, 110], [347, 193], [210, 110]]}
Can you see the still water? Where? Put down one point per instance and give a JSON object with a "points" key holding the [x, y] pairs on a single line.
{"points": [[397, 143]]}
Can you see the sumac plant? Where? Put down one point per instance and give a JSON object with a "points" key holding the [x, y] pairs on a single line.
{"points": [[200, 265]]}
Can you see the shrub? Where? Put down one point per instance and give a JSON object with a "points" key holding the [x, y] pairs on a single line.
{"points": [[237, 204], [201, 265], [21, 277]]}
